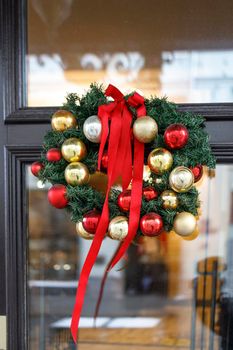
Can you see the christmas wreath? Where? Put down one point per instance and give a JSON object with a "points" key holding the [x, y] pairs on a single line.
{"points": [[123, 166]]}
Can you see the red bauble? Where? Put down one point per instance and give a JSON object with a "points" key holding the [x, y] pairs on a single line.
{"points": [[53, 155], [91, 220], [124, 200], [104, 161], [151, 224], [176, 136], [149, 193], [197, 172], [57, 196], [36, 167]]}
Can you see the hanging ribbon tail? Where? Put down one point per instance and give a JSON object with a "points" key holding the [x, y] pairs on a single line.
{"points": [[113, 111], [102, 285], [136, 198], [136, 101], [120, 163], [86, 270], [123, 167], [103, 282]]}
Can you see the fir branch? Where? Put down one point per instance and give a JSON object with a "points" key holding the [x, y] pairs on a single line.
{"points": [[84, 198]]}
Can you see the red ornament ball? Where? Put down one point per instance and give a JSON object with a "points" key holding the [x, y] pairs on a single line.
{"points": [[149, 193], [36, 167], [176, 136], [124, 200], [104, 161], [197, 172], [91, 221], [57, 196], [151, 224], [53, 155]]}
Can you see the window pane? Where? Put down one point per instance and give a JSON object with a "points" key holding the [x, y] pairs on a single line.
{"points": [[182, 49], [169, 293]]}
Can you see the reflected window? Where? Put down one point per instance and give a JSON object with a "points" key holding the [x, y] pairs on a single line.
{"points": [[179, 49]]}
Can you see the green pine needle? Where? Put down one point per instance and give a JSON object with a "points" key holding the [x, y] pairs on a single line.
{"points": [[84, 198]]}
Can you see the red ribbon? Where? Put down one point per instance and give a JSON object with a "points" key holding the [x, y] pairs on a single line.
{"points": [[119, 164], [136, 101]]}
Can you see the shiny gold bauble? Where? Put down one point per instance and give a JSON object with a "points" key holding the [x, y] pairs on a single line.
{"points": [[63, 120], [77, 173], [184, 224], [82, 232], [181, 179], [170, 200], [145, 129], [160, 160], [73, 150], [118, 228]]}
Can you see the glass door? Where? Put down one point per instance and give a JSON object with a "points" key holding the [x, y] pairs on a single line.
{"points": [[169, 294], [172, 293]]}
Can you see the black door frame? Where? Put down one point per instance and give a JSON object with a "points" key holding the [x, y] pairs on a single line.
{"points": [[21, 131]]}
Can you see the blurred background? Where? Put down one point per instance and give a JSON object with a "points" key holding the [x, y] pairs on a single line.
{"points": [[157, 295], [181, 49]]}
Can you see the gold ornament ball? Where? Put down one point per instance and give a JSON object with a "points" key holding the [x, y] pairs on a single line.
{"points": [[63, 120], [145, 129], [181, 179], [82, 232], [170, 200], [160, 160], [77, 173], [73, 150], [118, 228], [184, 224]]}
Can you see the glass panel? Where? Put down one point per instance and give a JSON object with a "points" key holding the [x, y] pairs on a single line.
{"points": [[182, 49], [171, 294]]}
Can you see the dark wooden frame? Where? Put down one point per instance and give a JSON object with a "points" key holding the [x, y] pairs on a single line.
{"points": [[17, 157], [16, 119], [13, 34]]}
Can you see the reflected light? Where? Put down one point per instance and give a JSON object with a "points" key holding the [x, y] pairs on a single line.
{"points": [[57, 267], [67, 267], [107, 322], [40, 184]]}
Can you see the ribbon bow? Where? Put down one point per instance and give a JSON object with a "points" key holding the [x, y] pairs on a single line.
{"points": [[119, 164]]}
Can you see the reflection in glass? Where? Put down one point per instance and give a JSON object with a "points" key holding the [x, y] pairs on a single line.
{"points": [[179, 49], [172, 293]]}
